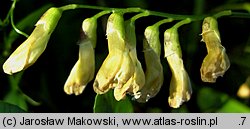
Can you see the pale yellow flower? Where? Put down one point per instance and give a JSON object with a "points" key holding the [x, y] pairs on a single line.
{"points": [[216, 63], [84, 69], [137, 78], [154, 69], [180, 86], [31, 49], [117, 68]]}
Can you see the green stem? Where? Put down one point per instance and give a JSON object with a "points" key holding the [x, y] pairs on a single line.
{"points": [[76, 6], [157, 24], [12, 20], [143, 14], [152, 13], [223, 13], [101, 14], [240, 6], [186, 21], [240, 15]]}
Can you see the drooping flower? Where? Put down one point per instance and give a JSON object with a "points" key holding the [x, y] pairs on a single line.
{"points": [[84, 69], [137, 80], [216, 63], [154, 69], [31, 49], [117, 68], [180, 86]]}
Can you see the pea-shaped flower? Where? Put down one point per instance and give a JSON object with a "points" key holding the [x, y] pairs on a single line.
{"points": [[31, 49], [117, 68], [154, 70], [84, 69], [216, 63], [137, 79], [180, 86]]}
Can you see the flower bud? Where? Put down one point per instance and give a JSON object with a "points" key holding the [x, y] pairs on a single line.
{"points": [[31, 49], [154, 70], [216, 63], [84, 69], [180, 86]]}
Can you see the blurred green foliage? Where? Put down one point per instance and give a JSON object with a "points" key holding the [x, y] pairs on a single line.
{"points": [[44, 81], [106, 103]]}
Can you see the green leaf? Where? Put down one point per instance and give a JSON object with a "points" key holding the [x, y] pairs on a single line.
{"points": [[16, 98], [234, 106], [9, 108], [106, 103], [210, 100]]}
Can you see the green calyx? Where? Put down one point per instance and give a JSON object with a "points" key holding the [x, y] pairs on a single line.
{"points": [[115, 31], [171, 42], [50, 18], [89, 26]]}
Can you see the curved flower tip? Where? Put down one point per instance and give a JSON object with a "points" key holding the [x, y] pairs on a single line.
{"points": [[120, 92], [31, 49], [107, 72], [114, 75], [82, 72], [136, 79], [180, 88], [216, 63]]}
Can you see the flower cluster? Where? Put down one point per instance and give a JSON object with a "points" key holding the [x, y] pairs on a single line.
{"points": [[121, 70]]}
